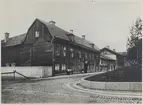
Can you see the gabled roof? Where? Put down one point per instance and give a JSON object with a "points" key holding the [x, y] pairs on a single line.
{"points": [[16, 40], [123, 53], [62, 34], [84, 42], [106, 57], [56, 31], [109, 50]]}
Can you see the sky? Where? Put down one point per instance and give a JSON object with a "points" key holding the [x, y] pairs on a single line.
{"points": [[104, 22]]}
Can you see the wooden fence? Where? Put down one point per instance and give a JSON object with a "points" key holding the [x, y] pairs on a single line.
{"points": [[14, 74]]}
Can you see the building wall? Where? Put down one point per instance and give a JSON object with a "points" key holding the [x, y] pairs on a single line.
{"points": [[120, 61], [39, 27], [110, 55], [27, 71], [10, 55], [106, 65], [37, 48], [119, 58], [75, 58], [33, 71]]}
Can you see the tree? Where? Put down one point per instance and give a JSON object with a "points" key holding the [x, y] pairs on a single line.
{"points": [[134, 43]]}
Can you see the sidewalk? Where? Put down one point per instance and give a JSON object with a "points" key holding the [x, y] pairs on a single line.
{"points": [[109, 93], [69, 76]]}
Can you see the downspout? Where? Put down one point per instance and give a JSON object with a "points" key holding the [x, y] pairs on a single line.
{"points": [[53, 55], [52, 40]]}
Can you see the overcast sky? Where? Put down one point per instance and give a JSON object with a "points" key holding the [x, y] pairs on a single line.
{"points": [[104, 22]]}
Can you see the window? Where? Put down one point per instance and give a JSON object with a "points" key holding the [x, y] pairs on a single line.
{"points": [[64, 50], [85, 55], [101, 61], [12, 64], [89, 56], [79, 54], [57, 67], [37, 34], [7, 64], [63, 66], [71, 37], [92, 66], [71, 52], [57, 51], [92, 56], [105, 52]]}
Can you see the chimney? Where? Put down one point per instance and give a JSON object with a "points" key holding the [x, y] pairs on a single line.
{"points": [[92, 45], [114, 50], [108, 47], [6, 37], [52, 22], [83, 36], [71, 31]]}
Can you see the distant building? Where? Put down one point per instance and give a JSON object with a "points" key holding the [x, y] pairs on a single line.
{"points": [[106, 63], [119, 58], [45, 44]]}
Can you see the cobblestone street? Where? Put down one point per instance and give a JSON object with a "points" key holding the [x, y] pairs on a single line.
{"points": [[54, 91]]}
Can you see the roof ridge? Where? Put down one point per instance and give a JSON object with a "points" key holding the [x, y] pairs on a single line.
{"points": [[18, 35], [15, 40], [106, 57], [67, 32]]}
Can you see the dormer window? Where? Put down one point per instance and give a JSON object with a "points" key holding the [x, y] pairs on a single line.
{"points": [[37, 34], [71, 37]]}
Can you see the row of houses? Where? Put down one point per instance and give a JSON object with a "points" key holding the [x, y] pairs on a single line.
{"points": [[46, 45]]}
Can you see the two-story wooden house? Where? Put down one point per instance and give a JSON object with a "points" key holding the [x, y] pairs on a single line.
{"points": [[106, 63], [119, 58], [45, 44]]}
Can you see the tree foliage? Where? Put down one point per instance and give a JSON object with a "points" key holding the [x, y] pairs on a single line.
{"points": [[134, 43]]}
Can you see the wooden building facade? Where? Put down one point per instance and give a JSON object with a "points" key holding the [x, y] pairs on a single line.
{"points": [[106, 63], [45, 44], [119, 58]]}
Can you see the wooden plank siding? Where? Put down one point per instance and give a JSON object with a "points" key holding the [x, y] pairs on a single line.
{"points": [[42, 50], [37, 51], [75, 63], [10, 55]]}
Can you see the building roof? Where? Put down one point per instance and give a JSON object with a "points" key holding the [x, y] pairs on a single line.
{"points": [[123, 53], [54, 31], [84, 42], [16, 40], [62, 34], [111, 51], [106, 57]]}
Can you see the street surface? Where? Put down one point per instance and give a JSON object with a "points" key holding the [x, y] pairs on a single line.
{"points": [[53, 91]]}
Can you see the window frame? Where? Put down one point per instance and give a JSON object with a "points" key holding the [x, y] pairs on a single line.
{"points": [[37, 32], [57, 50], [79, 54], [63, 65], [7, 64], [71, 53], [92, 56], [64, 51], [85, 55], [57, 66]]}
